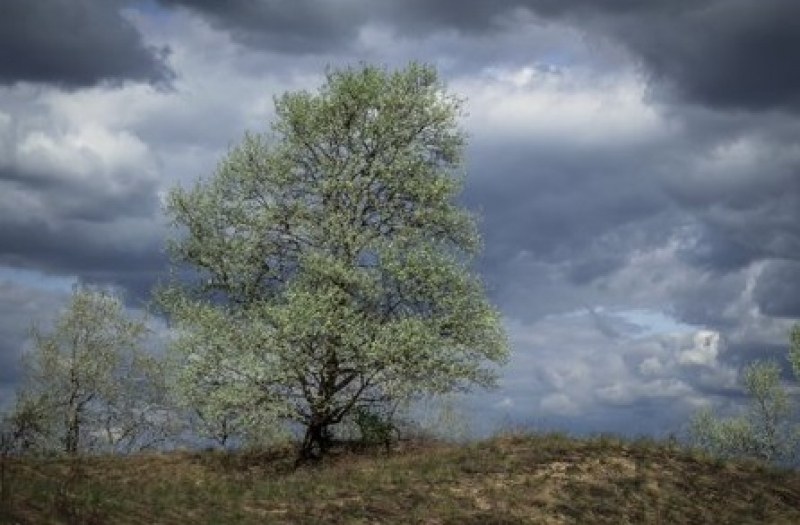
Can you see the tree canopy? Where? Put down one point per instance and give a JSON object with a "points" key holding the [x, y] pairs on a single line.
{"points": [[89, 385], [331, 260], [768, 430]]}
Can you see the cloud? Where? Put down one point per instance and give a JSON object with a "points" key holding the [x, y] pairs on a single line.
{"points": [[631, 200], [634, 203], [561, 141], [703, 351], [776, 292], [726, 54], [77, 195], [75, 43], [562, 371], [559, 403], [302, 26], [23, 304], [83, 172]]}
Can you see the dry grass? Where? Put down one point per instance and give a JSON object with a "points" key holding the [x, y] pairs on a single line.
{"points": [[512, 479]]}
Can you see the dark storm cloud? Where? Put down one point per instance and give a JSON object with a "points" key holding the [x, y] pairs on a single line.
{"points": [[745, 194], [83, 228], [100, 228], [21, 307], [741, 353], [79, 249], [584, 215], [728, 54], [565, 223], [777, 291], [89, 198], [74, 43], [717, 251], [299, 26]]}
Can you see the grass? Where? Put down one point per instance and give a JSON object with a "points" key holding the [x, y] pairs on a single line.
{"points": [[509, 479]]}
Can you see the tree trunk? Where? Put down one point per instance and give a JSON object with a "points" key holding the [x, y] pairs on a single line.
{"points": [[316, 442], [73, 433]]}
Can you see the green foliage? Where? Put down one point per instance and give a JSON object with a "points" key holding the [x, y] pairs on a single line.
{"points": [[770, 410], [332, 260], [375, 428], [765, 432], [794, 350], [88, 385], [731, 437]]}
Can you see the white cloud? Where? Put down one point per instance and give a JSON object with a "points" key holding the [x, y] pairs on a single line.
{"points": [[562, 366], [91, 153], [559, 403], [651, 366], [566, 106], [704, 350]]}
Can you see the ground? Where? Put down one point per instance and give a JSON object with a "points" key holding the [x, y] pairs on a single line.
{"points": [[546, 479]]}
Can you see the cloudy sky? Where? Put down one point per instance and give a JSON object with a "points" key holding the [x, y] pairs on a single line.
{"points": [[636, 165]]}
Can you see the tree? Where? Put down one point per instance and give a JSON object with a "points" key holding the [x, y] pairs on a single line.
{"points": [[88, 383], [766, 430], [332, 261], [24, 426], [794, 349]]}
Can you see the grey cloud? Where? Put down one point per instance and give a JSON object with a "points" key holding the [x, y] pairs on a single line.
{"points": [[716, 200], [82, 228], [741, 353], [715, 250], [776, 292], [88, 199], [584, 216], [728, 54], [79, 198], [300, 26], [575, 211], [74, 43], [564, 374], [126, 253], [744, 191], [21, 307]]}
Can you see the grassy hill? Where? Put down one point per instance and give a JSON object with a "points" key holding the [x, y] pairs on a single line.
{"points": [[512, 479]]}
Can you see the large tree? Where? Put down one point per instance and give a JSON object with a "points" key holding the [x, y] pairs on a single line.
{"points": [[332, 260]]}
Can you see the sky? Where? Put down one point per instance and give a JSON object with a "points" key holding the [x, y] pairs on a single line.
{"points": [[635, 165]]}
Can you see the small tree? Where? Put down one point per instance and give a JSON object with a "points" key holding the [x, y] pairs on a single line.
{"points": [[332, 260], [766, 431], [88, 384], [26, 427], [769, 411], [794, 349]]}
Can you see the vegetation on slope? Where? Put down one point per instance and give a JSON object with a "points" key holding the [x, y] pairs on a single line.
{"points": [[510, 479]]}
